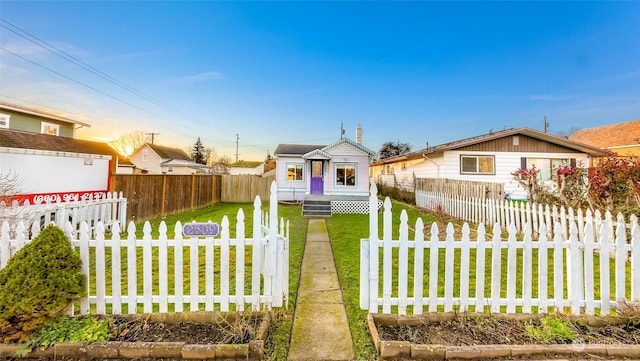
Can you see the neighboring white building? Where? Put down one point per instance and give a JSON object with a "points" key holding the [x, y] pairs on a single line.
{"points": [[245, 167], [490, 158], [156, 159]]}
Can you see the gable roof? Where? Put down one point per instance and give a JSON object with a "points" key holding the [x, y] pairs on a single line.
{"points": [[307, 151], [166, 153], [351, 143], [295, 149], [27, 140], [536, 134], [39, 112], [610, 136]]}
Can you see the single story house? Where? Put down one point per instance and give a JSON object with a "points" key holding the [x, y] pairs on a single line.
{"points": [[491, 158], [620, 138], [246, 167], [331, 172], [157, 159]]}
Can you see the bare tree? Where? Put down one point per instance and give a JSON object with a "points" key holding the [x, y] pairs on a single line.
{"points": [[10, 184], [128, 142]]}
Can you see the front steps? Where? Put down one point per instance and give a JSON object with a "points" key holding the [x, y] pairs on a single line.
{"points": [[316, 208]]}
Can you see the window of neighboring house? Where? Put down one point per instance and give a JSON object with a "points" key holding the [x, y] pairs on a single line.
{"points": [[170, 169], [346, 174], [295, 171], [145, 155], [50, 128], [389, 168], [477, 164], [546, 165], [403, 166], [4, 120]]}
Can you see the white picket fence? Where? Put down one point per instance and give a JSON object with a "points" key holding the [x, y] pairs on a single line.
{"points": [[132, 275], [506, 213], [108, 210], [565, 278]]}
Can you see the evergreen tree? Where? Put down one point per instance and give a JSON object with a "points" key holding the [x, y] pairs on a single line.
{"points": [[197, 153]]}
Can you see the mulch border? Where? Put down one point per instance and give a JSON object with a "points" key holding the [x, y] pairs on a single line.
{"points": [[390, 350], [254, 350]]}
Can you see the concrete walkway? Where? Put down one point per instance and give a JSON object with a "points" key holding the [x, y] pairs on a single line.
{"points": [[320, 327]]}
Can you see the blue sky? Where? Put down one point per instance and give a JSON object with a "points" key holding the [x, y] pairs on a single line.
{"points": [[293, 72]]}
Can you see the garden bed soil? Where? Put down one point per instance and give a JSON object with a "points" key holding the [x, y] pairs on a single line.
{"points": [[481, 336], [167, 336]]}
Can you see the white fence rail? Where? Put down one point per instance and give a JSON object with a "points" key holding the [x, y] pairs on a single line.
{"points": [[506, 213], [551, 272], [108, 210], [132, 275]]}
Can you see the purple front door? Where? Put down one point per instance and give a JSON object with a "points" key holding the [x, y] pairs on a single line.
{"points": [[317, 183]]}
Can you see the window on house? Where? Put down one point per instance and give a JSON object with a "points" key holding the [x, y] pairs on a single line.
{"points": [[547, 165], [50, 128], [145, 155], [346, 174], [295, 171], [4, 120], [477, 164], [403, 166], [389, 168], [170, 169]]}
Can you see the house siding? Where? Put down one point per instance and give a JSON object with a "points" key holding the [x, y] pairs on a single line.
{"points": [[291, 190], [33, 123], [522, 144]]}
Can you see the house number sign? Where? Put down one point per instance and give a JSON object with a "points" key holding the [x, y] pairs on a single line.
{"points": [[201, 229]]}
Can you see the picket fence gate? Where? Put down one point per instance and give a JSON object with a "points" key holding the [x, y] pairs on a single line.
{"points": [[161, 274], [564, 279], [507, 212], [109, 209]]}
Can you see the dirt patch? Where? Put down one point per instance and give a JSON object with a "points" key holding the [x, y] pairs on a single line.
{"points": [[472, 331], [239, 331]]}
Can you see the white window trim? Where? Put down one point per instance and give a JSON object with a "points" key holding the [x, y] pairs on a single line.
{"points": [[4, 120], [44, 125], [335, 175], [477, 156], [294, 164], [145, 155]]}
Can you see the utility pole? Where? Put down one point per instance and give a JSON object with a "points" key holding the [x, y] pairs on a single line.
{"points": [[237, 141], [545, 124], [153, 135], [341, 130]]}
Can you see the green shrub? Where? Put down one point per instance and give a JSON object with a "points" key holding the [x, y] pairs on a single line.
{"points": [[37, 284], [69, 330], [552, 330]]}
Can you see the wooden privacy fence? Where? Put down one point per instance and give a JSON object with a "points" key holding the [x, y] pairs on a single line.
{"points": [[459, 187], [135, 275], [245, 187], [506, 213], [108, 210], [491, 274], [153, 195]]}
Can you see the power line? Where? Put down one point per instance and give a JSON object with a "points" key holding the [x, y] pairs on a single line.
{"points": [[81, 83], [70, 58]]}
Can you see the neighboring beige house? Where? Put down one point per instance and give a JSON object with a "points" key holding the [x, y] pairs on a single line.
{"points": [[245, 167], [491, 157], [621, 138], [157, 159]]}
